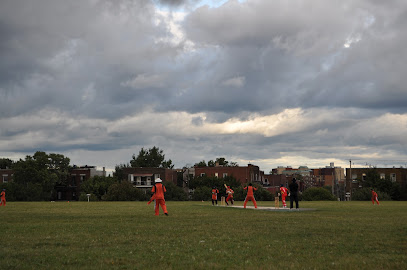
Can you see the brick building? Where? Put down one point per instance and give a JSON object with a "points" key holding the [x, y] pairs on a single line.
{"points": [[77, 176], [243, 174], [398, 175]]}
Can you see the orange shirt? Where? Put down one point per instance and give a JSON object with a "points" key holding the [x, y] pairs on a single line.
{"points": [[283, 191], [3, 195], [374, 194], [250, 190], [215, 193], [159, 190]]}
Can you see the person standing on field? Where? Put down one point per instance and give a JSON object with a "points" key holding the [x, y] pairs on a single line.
{"points": [[374, 197], [293, 194], [3, 197], [215, 192], [284, 193], [158, 190], [250, 195]]}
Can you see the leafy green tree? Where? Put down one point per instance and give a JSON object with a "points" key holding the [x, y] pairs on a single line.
{"points": [[202, 193], [37, 175], [124, 191], [119, 173], [200, 164], [222, 161], [152, 157], [6, 163], [365, 194], [211, 163], [97, 185], [174, 192], [317, 194]]}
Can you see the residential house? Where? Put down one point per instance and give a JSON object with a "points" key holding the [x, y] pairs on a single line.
{"points": [[398, 175], [143, 177], [77, 175]]}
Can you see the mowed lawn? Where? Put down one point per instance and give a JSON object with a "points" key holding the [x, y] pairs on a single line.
{"points": [[196, 235]]}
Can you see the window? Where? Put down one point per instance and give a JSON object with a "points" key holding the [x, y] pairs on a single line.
{"points": [[225, 175], [73, 178], [382, 176], [5, 178], [364, 177], [202, 174], [216, 175], [393, 177], [138, 181], [83, 178]]}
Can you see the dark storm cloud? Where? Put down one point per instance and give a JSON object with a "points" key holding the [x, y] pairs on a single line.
{"points": [[71, 56], [173, 2], [304, 60]]}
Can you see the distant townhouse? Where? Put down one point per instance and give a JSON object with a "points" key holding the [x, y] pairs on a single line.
{"points": [[328, 176], [244, 174], [398, 175], [143, 177], [77, 175]]}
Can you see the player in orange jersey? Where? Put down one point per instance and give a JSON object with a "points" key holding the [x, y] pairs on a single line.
{"points": [[158, 190], [3, 197], [215, 192], [284, 193], [250, 195], [229, 192], [374, 197]]}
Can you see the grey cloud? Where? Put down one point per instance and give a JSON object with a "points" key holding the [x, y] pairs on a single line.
{"points": [[106, 61]]}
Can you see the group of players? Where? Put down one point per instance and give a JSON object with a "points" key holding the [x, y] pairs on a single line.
{"points": [[284, 192], [158, 191]]}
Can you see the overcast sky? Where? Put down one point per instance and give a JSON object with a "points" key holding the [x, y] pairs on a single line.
{"points": [[267, 82]]}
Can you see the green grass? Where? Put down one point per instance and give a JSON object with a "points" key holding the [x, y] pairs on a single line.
{"points": [[127, 235]]}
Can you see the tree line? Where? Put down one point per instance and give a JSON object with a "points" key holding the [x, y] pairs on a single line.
{"points": [[36, 177]]}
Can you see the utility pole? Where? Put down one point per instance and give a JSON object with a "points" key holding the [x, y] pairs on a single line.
{"points": [[350, 178]]}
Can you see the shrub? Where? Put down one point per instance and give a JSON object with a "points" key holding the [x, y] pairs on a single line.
{"points": [[124, 191], [317, 194], [174, 192], [202, 194]]}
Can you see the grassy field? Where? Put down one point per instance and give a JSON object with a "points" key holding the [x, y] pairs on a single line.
{"points": [[127, 235]]}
